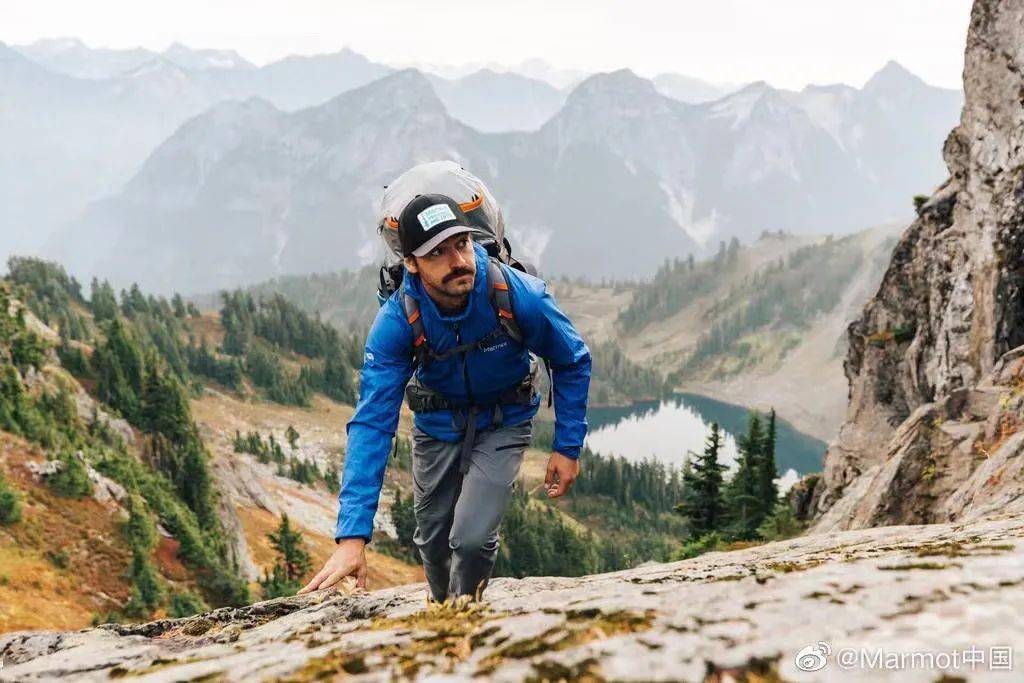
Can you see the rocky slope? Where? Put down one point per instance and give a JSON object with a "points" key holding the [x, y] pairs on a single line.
{"points": [[740, 615], [934, 360]]}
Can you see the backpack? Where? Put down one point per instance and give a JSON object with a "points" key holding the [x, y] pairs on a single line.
{"points": [[476, 201]]}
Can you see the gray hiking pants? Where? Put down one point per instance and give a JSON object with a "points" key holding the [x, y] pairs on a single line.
{"points": [[457, 516]]}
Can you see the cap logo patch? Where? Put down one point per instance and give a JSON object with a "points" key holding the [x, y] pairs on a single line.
{"points": [[432, 215]]}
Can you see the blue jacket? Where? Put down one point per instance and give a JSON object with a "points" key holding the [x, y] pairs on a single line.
{"points": [[388, 366]]}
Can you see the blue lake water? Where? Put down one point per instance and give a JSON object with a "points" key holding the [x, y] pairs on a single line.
{"points": [[668, 429]]}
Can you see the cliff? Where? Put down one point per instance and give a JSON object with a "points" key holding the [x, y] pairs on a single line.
{"points": [[935, 359]]}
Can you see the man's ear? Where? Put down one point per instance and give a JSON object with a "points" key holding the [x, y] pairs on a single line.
{"points": [[410, 264]]}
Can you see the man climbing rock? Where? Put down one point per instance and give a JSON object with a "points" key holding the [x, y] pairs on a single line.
{"points": [[463, 326]]}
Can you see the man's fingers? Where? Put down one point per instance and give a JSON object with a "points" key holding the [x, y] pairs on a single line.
{"points": [[314, 582], [361, 577], [334, 578], [549, 475]]}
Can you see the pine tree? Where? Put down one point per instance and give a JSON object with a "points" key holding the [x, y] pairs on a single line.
{"points": [[404, 518], [744, 505], [146, 593], [292, 436], [164, 407], [140, 529], [179, 306], [287, 542], [10, 503], [103, 301], [703, 504], [767, 491]]}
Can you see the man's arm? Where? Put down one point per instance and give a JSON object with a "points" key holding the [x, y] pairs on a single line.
{"points": [[549, 333], [387, 367]]}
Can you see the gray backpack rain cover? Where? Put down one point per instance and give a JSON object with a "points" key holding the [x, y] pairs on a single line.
{"points": [[449, 179]]}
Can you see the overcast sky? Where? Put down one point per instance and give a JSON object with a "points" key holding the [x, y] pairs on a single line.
{"points": [[788, 43]]}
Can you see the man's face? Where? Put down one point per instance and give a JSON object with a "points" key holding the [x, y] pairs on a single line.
{"points": [[449, 268]]}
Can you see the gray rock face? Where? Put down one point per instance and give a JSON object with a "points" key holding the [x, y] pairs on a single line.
{"points": [[900, 589], [934, 344]]}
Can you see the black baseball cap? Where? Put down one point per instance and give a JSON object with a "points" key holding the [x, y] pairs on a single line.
{"points": [[428, 220]]}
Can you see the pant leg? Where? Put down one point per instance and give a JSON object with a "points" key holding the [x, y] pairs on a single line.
{"points": [[486, 488], [436, 482]]}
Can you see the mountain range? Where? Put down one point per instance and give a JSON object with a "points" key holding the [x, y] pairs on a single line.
{"points": [[77, 122], [194, 169], [620, 178]]}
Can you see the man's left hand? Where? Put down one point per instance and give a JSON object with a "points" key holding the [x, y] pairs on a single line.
{"points": [[561, 473]]}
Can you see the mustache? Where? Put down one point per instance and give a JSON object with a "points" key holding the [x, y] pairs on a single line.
{"points": [[458, 272]]}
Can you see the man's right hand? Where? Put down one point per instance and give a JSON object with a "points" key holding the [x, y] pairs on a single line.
{"points": [[349, 559]]}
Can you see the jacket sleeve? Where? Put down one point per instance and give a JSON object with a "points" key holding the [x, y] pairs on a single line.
{"points": [[387, 367], [549, 333]]}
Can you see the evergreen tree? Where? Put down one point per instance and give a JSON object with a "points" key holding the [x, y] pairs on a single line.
{"points": [[103, 301], [703, 504], [292, 436], [767, 491], [164, 407], [744, 505], [146, 593], [10, 503], [195, 484], [179, 306], [404, 518], [140, 529], [287, 542], [119, 369]]}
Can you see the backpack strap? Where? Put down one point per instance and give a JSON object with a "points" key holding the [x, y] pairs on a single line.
{"points": [[420, 348], [501, 300]]}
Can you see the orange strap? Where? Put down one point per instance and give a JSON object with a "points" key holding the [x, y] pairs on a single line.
{"points": [[473, 203]]}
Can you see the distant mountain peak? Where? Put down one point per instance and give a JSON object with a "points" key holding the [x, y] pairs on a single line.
{"points": [[893, 76], [158, 66], [405, 88], [58, 44], [622, 85], [205, 58]]}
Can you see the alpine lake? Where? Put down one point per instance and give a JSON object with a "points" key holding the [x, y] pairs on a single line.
{"points": [[666, 430]]}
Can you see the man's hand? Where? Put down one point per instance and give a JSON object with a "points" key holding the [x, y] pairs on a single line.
{"points": [[561, 473], [349, 559]]}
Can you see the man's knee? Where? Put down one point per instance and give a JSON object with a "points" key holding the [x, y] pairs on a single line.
{"points": [[473, 542], [431, 535]]}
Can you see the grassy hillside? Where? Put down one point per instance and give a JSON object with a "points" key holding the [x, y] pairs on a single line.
{"points": [[211, 426]]}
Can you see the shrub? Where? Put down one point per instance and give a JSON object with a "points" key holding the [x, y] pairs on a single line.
{"points": [[186, 604], [698, 546], [140, 530], [59, 558], [10, 503], [72, 479], [781, 524], [919, 201], [146, 593]]}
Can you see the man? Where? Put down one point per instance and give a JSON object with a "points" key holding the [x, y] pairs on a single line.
{"points": [[473, 419]]}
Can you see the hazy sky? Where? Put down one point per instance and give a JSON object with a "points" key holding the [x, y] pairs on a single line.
{"points": [[787, 42]]}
